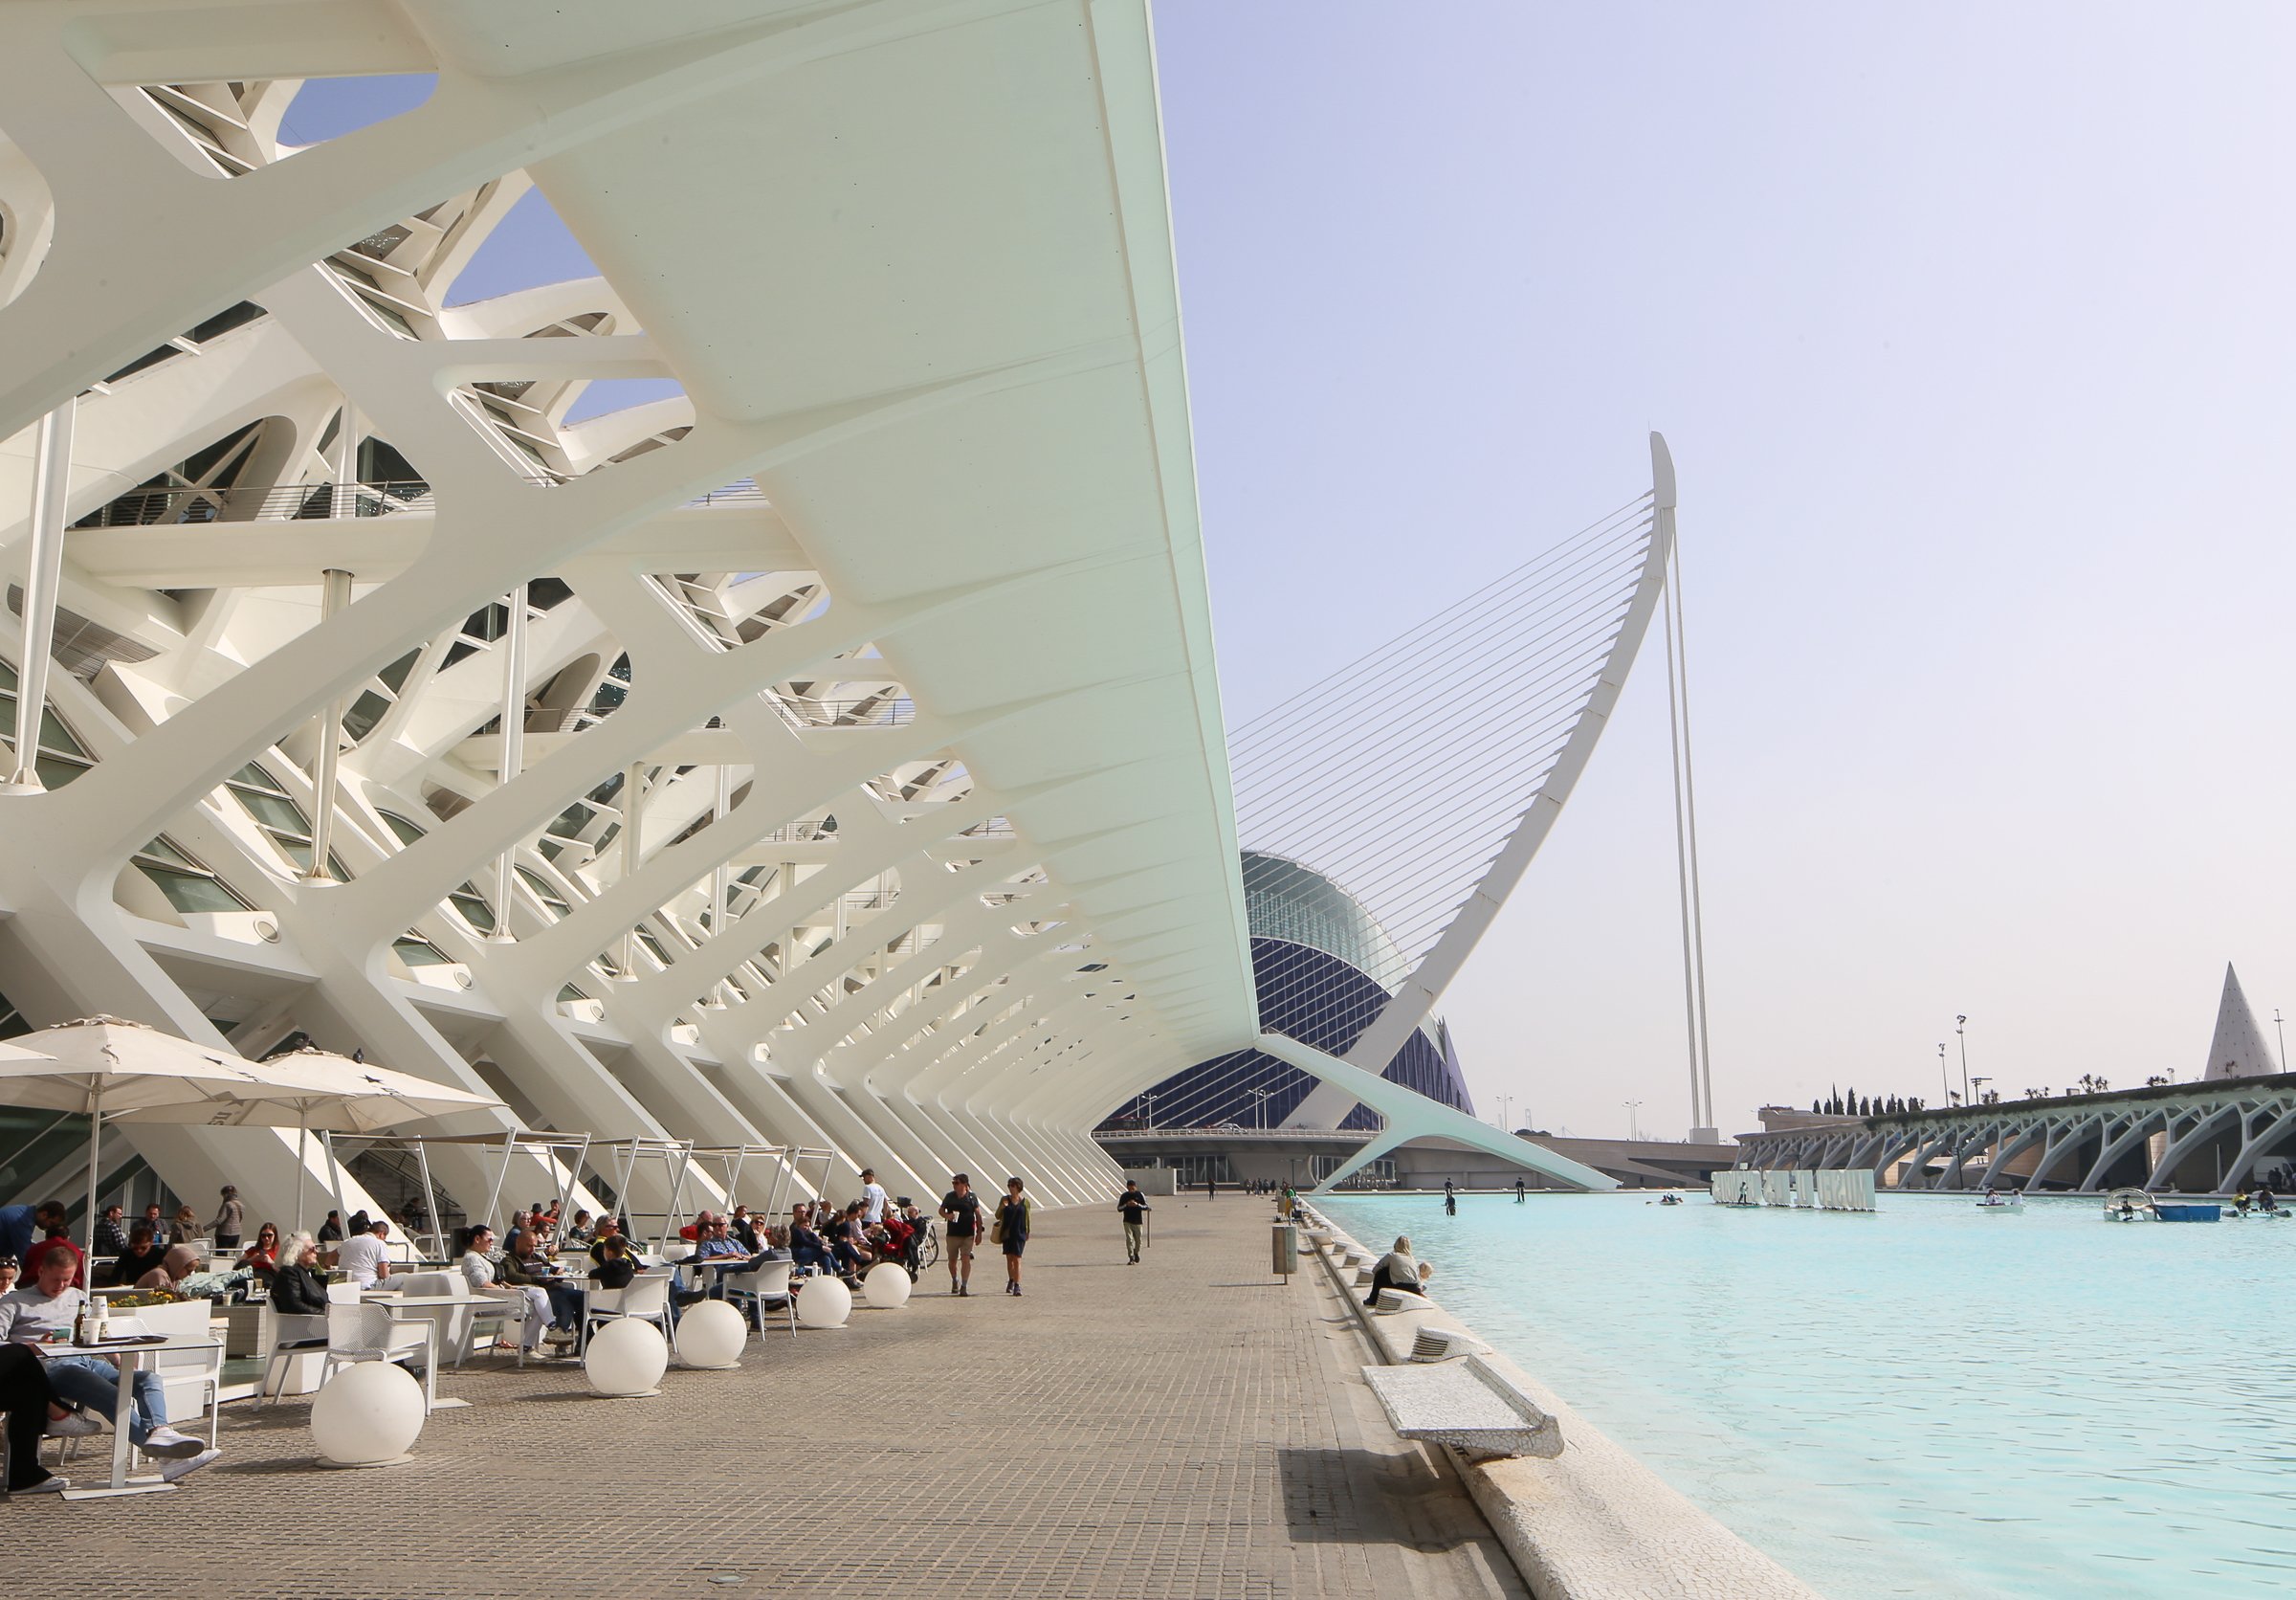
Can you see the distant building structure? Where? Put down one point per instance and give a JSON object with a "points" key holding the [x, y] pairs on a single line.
{"points": [[2238, 1048]]}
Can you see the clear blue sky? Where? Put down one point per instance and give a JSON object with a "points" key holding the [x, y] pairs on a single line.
{"points": [[1969, 327]]}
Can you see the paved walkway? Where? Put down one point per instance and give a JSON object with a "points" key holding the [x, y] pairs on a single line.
{"points": [[1189, 1428]]}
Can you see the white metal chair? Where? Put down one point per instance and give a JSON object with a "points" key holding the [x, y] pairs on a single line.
{"points": [[647, 1300], [356, 1331], [192, 1368], [768, 1288], [293, 1334]]}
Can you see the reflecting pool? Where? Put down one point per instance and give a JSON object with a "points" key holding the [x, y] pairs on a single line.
{"points": [[1929, 1400]]}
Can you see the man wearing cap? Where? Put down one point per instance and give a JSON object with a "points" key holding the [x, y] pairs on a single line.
{"points": [[873, 1198], [960, 1212]]}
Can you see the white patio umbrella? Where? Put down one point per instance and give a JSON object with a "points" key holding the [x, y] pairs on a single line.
{"points": [[103, 1067], [340, 1095]]}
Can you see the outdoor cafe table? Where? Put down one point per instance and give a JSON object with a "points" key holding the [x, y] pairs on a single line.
{"points": [[128, 1358]]}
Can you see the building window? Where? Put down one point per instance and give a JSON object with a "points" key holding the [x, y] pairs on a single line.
{"points": [[467, 902], [61, 757], [188, 885]]}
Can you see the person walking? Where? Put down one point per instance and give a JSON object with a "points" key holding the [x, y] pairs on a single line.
{"points": [[1012, 1232], [1211, 1188], [960, 1219], [1132, 1205], [231, 1220], [1450, 1202], [1518, 1192]]}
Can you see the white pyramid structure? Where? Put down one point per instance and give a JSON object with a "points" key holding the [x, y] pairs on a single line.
{"points": [[2238, 1048]]}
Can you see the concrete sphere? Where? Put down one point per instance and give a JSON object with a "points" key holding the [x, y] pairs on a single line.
{"points": [[887, 1286], [369, 1412], [823, 1302], [711, 1334], [625, 1357]]}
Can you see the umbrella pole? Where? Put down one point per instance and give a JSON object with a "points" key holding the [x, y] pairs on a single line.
{"points": [[94, 1152], [302, 1166]]}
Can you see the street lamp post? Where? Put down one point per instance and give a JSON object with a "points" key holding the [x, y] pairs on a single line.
{"points": [[1633, 1131], [1960, 1027], [1945, 1084], [1979, 1083], [1260, 1108], [2284, 1038]]}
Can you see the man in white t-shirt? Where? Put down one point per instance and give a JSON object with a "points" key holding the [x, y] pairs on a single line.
{"points": [[873, 1198], [364, 1258]]}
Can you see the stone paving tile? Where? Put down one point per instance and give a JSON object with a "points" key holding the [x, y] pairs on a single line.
{"points": [[1189, 1428]]}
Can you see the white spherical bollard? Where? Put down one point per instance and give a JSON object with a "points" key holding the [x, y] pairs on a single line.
{"points": [[368, 1414], [711, 1333], [626, 1359], [823, 1302], [887, 1286]]}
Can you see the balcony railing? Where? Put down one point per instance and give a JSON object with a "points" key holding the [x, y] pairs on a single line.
{"points": [[281, 502], [311, 503]]}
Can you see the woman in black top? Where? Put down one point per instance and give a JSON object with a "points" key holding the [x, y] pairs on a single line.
{"points": [[614, 1269], [1012, 1231], [296, 1290], [143, 1253]]}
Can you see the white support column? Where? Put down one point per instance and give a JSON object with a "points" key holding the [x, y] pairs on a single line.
{"points": [[514, 745], [334, 594], [634, 782], [51, 487]]}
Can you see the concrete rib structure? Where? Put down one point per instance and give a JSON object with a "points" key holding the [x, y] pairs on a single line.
{"points": [[829, 753]]}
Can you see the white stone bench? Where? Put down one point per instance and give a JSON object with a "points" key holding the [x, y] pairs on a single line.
{"points": [[1467, 1404]]}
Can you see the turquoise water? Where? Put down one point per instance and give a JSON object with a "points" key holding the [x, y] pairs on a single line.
{"points": [[1929, 1400]]}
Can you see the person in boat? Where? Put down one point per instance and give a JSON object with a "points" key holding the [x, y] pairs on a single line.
{"points": [[2128, 1208], [2265, 1202], [2240, 1203]]}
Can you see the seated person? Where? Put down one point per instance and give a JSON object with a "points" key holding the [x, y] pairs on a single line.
{"points": [[262, 1258], [1399, 1268], [522, 1268], [11, 1269], [807, 1248], [744, 1230], [46, 1309], [615, 1268], [33, 1410], [365, 1253], [178, 1272], [185, 1228], [581, 1233], [330, 1231], [899, 1233], [478, 1272], [607, 1229], [57, 1239], [143, 1253], [296, 1290]]}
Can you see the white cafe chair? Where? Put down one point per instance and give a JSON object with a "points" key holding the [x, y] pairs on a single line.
{"points": [[768, 1289], [356, 1331], [647, 1300]]}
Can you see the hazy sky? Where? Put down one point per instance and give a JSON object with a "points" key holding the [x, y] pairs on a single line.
{"points": [[1967, 326]]}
